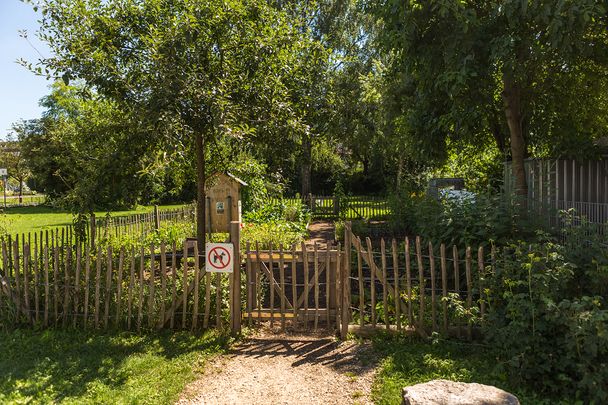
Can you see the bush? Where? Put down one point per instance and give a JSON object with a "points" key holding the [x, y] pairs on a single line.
{"points": [[272, 233], [549, 328], [474, 221]]}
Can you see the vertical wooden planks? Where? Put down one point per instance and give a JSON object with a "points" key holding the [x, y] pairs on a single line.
{"points": [[36, 280], [421, 283], [408, 276], [184, 285], [17, 277], [196, 288], [258, 280], [66, 286], [108, 294], [250, 284], [56, 282], [316, 284], [163, 284], [271, 282], [140, 300], [361, 284], [469, 291], [327, 283], [306, 296], [384, 282], [173, 283], [152, 285], [481, 269], [131, 288], [456, 274], [282, 281], [396, 278], [218, 300], [433, 294], [77, 282], [121, 258], [294, 284], [444, 287], [370, 256], [97, 284]]}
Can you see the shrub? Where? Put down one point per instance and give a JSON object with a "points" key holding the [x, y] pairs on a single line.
{"points": [[549, 328]]}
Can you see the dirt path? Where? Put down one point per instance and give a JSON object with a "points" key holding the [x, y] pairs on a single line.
{"points": [[321, 232], [287, 369]]}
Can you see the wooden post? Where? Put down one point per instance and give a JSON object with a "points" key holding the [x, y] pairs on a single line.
{"points": [[235, 237], [156, 218], [346, 279]]}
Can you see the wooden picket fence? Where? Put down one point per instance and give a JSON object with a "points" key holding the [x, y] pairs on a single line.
{"points": [[410, 285], [299, 286], [47, 283], [343, 207]]}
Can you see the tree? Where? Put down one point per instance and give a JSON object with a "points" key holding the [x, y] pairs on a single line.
{"points": [[189, 70], [468, 63], [13, 160]]}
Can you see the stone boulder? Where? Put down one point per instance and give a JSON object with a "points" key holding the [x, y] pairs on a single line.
{"points": [[443, 392]]}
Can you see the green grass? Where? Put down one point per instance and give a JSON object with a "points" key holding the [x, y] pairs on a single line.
{"points": [[91, 367], [32, 219], [409, 361]]}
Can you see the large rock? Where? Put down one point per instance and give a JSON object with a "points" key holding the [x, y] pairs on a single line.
{"points": [[442, 392]]}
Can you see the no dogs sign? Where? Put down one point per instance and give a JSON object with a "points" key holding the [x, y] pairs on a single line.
{"points": [[219, 257]]}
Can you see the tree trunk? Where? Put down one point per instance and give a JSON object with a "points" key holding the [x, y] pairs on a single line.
{"points": [[201, 195], [20, 191], [512, 100], [306, 165]]}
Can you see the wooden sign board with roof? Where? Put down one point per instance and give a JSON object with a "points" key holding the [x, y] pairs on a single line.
{"points": [[223, 201]]}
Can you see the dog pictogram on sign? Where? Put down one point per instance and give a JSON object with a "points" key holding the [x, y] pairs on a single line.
{"points": [[219, 257]]}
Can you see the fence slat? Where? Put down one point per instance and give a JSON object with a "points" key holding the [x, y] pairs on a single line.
{"points": [[469, 291], [433, 294], [372, 280], [36, 280], [185, 285], [196, 287], [271, 283], [305, 259], [361, 285], [384, 283], [140, 301], [294, 285], [444, 287], [250, 285], [421, 283], [163, 284], [151, 289], [396, 277], [131, 288], [108, 294], [66, 287], [408, 276], [121, 258], [327, 284], [316, 285], [173, 282], [258, 281], [282, 281], [455, 256]]}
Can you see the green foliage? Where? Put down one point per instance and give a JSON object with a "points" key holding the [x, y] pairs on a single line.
{"points": [[542, 298], [407, 361], [277, 234], [474, 221], [75, 366]]}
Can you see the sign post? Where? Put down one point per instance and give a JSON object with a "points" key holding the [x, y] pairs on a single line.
{"points": [[4, 174]]}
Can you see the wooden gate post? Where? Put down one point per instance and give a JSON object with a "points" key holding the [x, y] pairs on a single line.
{"points": [[156, 218], [235, 293], [345, 277]]}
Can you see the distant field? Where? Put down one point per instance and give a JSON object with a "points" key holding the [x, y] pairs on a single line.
{"points": [[30, 219]]}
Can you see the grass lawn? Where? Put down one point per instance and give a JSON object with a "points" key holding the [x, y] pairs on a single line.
{"points": [[31, 219], [409, 361], [92, 367]]}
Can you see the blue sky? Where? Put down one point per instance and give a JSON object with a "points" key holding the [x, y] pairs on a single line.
{"points": [[20, 89]]}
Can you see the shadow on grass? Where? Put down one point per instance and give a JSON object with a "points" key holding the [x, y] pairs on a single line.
{"points": [[54, 365], [408, 360]]}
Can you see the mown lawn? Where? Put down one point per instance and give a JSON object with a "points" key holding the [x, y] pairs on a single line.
{"points": [[31, 219], [409, 361], [92, 367]]}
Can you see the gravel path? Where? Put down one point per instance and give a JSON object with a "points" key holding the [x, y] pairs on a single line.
{"points": [[287, 369]]}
